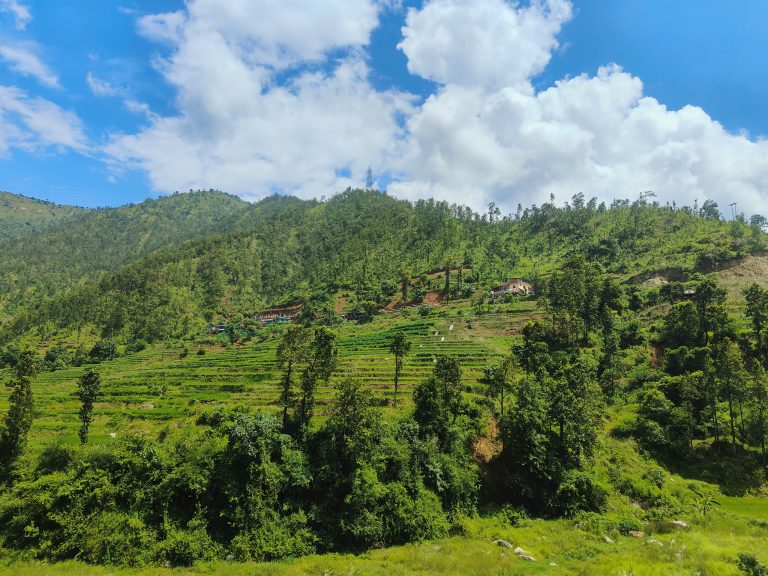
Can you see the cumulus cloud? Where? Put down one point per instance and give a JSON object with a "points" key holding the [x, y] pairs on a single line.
{"points": [[20, 12], [23, 60], [487, 135], [489, 43], [33, 123], [238, 129], [275, 96]]}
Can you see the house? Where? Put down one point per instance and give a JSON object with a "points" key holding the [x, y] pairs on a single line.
{"points": [[278, 315], [513, 287]]}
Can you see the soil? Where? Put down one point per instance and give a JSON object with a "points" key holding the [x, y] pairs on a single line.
{"points": [[747, 271], [433, 298]]}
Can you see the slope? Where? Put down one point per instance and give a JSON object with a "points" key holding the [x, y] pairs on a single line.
{"points": [[361, 242], [21, 216], [96, 241]]}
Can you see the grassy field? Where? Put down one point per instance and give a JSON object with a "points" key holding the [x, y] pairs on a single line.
{"points": [[167, 386], [559, 547]]}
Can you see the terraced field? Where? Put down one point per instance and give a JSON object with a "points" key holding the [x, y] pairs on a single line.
{"points": [[166, 387]]}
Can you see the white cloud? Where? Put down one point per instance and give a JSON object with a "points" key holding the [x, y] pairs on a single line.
{"points": [[23, 60], [485, 134], [33, 123], [489, 43], [166, 27], [137, 107], [101, 87], [237, 130], [20, 12]]}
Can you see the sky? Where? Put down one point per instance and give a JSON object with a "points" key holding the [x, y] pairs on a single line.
{"points": [[471, 101]]}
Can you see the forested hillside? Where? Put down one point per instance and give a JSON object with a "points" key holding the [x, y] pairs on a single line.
{"points": [[22, 216], [79, 249], [362, 243]]}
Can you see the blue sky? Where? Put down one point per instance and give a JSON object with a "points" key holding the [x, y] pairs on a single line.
{"points": [[103, 103]]}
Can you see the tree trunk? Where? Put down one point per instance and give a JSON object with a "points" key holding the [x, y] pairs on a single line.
{"points": [[730, 414], [397, 378]]}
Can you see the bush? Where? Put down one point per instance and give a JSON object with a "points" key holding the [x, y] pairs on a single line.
{"points": [[579, 491], [103, 350], [274, 538], [55, 458], [112, 538], [628, 523], [57, 357], [136, 346], [513, 515], [750, 566], [185, 547]]}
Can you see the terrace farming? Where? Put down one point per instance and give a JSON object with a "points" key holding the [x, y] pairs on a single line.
{"points": [[169, 385]]}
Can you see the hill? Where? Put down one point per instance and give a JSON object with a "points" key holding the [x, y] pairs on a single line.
{"points": [[82, 248], [598, 423], [359, 243], [21, 216]]}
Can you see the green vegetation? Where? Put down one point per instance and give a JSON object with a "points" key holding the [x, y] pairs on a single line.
{"points": [[613, 423], [21, 216]]}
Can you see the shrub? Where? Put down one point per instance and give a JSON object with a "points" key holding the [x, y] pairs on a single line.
{"points": [[579, 491], [103, 350], [136, 346], [628, 523], [750, 566], [513, 515], [185, 547]]}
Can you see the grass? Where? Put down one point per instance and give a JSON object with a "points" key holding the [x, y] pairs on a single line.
{"points": [[163, 389], [560, 547]]}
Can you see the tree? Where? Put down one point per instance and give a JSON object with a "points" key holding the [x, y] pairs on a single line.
{"points": [[88, 389], [709, 210], [731, 375], [291, 354], [352, 427], [758, 422], [405, 284], [321, 363], [575, 410], [710, 305], [757, 311], [448, 372], [103, 350], [18, 419], [400, 346], [498, 382]]}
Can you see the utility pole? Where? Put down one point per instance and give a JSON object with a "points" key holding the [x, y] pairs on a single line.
{"points": [[733, 209], [369, 179]]}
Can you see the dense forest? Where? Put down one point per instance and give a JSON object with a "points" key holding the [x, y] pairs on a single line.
{"points": [[630, 345]]}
